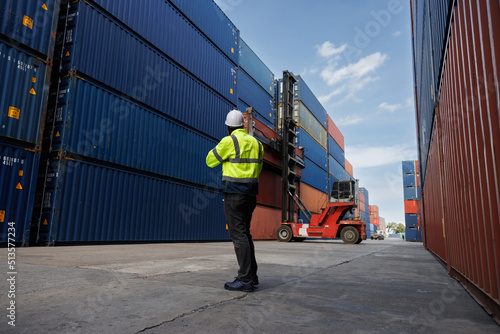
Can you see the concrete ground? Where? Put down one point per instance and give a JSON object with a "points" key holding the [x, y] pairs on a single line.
{"points": [[388, 286]]}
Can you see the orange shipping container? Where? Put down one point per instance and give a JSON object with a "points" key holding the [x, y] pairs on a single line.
{"points": [[348, 168], [314, 199], [412, 206], [335, 132]]}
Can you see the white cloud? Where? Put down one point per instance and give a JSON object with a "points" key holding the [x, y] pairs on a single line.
{"points": [[349, 120], [327, 49], [362, 156], [390, 107], [349, 89], [396, 33], [356, 71], [393, 107]]}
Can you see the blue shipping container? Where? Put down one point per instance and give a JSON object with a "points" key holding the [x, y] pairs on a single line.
{"points": [[410, 193], [212, 21], [304, 94], [145, 75], [161, 24], [30, 23], [413, 234], [314, 176], [125, 133], [90, 202], [408, 167], [255, 96], [22, 94], [18, 175], [336, 151], [242, 106], [312, 149], [337, 170], [411, 220], [256, 68], [409, 180]]}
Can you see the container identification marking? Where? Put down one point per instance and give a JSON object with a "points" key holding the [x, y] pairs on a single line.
{"points": [[44, 6], [58, 134], [33, 80], [21, 173], [45, 222], [28, 22], [2, 216], [32, 91], [19, 186], [14, 112]]}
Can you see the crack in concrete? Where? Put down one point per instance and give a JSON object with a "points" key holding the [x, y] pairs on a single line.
{"points": [[197, 310]]}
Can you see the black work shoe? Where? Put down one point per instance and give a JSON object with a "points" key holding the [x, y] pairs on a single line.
{"points": [[238, 285], [255, 280]]}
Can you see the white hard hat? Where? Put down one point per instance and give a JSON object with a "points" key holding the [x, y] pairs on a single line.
{"points": [[235, 118]]}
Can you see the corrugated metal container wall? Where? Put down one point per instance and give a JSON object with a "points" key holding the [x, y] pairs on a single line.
{"points": [[122, 132], [146, 75], [214, 23], [336, 169], [31, 23], [312, 150], [308, 122], [255, 96], [410, 193], [133, 206], [314, 176], [412, 206], [336, 151], [269, 188], [170, 32], [432, 202], [22, 95], [304, 94], [349, 169], [314, 199], [408, 167], [242, 106], [256, 68], [411, 220], [468, 120], [18, 173], [265, 222], [335, 132]]}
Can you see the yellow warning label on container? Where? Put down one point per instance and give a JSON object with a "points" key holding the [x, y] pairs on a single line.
{"points": [[227, 227], [14, 112], [270, 115], [2, 216], [67, 54], [232, 50], [44, 6], [45, 222], [28, 22], [33, 80], [32, 91], [58, 134], [19, 186], [21, 173], [231, 91]]}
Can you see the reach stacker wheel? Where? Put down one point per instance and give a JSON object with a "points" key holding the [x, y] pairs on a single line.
{"points": [[284, 233], [349, 235]]}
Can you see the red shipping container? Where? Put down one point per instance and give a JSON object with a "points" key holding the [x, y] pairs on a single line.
{"points": [[335, 133], [412, 206], [265, 222], [269, 188], [348, 168]]}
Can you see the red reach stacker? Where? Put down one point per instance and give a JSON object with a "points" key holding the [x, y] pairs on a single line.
{"points": [[329, 223]]}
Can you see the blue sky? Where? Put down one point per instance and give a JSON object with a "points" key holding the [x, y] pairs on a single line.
{"points": [[356, 57]]}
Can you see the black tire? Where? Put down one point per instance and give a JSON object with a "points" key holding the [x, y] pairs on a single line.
{"points": [[359, 241], [299, 239], [284, 233], [371, 238], [349, 235]]}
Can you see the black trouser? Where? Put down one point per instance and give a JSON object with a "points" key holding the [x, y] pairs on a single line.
{"points": [[239, 209]]}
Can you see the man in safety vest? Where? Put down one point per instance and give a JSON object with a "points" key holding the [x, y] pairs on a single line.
{"points": [[241, 156]]}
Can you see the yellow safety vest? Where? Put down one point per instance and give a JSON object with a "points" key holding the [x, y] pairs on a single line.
{"points": [[241, 156]]}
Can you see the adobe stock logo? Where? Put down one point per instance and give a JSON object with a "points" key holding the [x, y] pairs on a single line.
{"points": [[381, 20]]}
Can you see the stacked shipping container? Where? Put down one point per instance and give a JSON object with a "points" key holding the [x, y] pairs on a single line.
{"points": [[127, 137], [27, 31], [458, 153], [411, 192]]}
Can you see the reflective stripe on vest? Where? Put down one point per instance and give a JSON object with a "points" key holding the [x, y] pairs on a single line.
{"points": [[237, 159]]}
